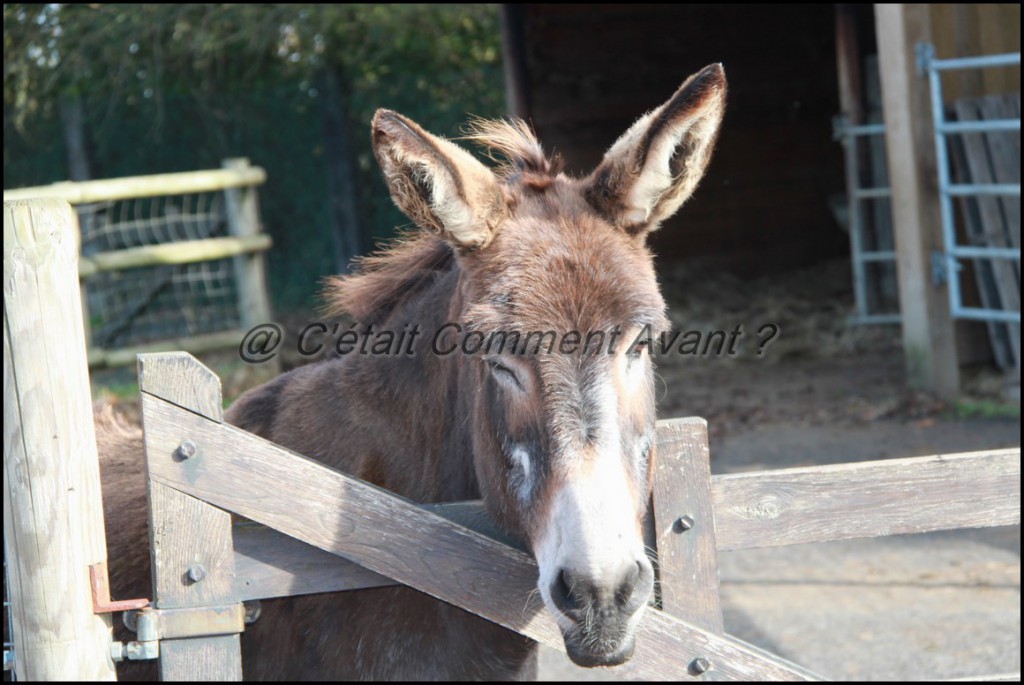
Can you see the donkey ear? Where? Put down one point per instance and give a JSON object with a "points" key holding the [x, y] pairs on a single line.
{"points": [[655, 166], [436, 183]]}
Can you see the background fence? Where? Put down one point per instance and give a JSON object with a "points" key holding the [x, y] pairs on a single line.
{"points": [[170, 261]]}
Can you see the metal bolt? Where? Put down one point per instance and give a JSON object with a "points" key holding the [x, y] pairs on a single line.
{"points": [[187, 449], [196, 573], [252, 610], [130, 620], [700, 665], [683, 523]]}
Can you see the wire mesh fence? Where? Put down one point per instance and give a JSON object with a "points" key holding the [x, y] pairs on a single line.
{"points": [[167, 259], [159, 302]]}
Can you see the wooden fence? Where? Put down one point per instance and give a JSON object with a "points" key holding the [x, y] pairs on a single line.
{"points": [[238, 180], [202, 470]]}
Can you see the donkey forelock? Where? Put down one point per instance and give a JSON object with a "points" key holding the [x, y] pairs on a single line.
{"points": [[520, 155]]}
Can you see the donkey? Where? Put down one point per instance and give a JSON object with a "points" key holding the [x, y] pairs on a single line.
{"points": [[559, 446]]}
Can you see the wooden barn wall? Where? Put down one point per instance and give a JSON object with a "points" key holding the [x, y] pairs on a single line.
{"points": [[962, 30], [590, 70]]}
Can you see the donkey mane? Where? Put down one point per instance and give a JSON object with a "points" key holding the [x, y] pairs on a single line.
{"points": [[392, 276], [385, 280]]}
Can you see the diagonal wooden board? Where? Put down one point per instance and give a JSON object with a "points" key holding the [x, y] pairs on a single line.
{"points": [[254, 478]]}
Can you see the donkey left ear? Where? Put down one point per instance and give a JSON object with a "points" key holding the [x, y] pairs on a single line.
{"points": [[655, 166], [436, 183]]}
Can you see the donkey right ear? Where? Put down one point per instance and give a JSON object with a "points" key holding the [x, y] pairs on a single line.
{"points": [[655, 166], [436, 183]]}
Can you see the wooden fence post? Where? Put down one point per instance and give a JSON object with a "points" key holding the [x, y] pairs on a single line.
{"points": [[684, 523], [191, 542], [929, 344], [243, 222], [53, 512]]}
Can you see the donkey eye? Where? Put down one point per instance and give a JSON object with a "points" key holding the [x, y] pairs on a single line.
{"points": [[503, 373], [637, 350]]}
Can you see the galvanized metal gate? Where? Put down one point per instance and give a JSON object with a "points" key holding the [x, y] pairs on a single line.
{"points": [[947, 265], [995, 252]]}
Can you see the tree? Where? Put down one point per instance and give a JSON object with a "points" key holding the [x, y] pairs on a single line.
{"points": [[164, 87]]}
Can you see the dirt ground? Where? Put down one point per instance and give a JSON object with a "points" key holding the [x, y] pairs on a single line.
{"points": [[940, 605]]}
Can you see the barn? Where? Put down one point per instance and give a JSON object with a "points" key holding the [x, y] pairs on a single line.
{"points": [[777, 196]]}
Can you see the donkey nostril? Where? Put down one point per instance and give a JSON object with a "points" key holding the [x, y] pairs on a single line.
{"points": [[564, 585], [572, 593], [625, 590]]}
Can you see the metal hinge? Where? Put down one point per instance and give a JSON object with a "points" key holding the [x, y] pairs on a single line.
{"points": [[924, 53], [172, 624], [152, 625], [940, 267]]}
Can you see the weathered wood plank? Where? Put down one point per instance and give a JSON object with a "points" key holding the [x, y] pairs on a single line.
{"points": [[998, 279], [987, 291], [180, 378], [261, 481], [142, 186], [187, 533], [929, 345], [244, 223], [53, 512], [868, 499], [1004, 147], [198, 344], [685, 524], [190, 540], [794, 506], [183, 252], [271, 564]]}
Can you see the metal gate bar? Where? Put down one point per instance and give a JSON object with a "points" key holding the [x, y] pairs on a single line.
{"points": [[848, 135], [948, 190]]}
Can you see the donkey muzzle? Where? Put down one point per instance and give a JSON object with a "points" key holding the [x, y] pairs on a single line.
{"points": [[602, 613]]}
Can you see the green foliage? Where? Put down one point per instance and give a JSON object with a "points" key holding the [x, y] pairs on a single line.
{"points": [[180, 87], [966, 408]]}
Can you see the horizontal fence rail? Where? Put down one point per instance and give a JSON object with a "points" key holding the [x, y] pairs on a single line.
{"points": [[153, 185], [752, 510], [185, 252], [198, 344], [867, 499]]}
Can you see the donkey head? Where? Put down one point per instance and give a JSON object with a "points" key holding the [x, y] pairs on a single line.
{"points": [[555, 284]]}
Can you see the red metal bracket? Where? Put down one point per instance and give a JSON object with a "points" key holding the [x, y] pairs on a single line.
{"points": [[100, 583]]}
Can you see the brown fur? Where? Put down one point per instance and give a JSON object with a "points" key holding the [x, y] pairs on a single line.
{"points": [[525, 249]]}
